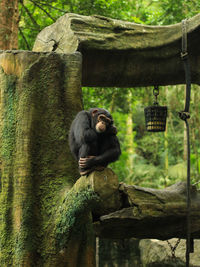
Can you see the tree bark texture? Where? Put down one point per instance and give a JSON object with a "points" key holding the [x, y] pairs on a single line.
{"points": [[124, 54], [40, 95], [152, 213], [9, 20]]}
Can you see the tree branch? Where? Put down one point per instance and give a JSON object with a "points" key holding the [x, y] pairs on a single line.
{"points": [[24, 38], [39, 6], [48, 5], [30, 15]]}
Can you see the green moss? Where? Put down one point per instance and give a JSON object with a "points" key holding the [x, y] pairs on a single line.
{"points": [[71, 214], [8, 133], [25, 240], [7, 150]]}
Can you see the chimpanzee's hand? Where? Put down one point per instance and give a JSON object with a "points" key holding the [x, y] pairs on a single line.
{"points": [[112, 130], [87, 162]]}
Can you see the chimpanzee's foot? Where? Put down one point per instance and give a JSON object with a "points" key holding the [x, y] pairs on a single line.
{"points": [[84, 172], [88, 171], [99, 168]]}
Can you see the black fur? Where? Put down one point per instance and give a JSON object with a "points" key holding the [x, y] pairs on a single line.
{"points": [[84, 140]]}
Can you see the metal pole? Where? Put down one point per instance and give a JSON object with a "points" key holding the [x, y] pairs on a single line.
{"points": [[188, 239]]}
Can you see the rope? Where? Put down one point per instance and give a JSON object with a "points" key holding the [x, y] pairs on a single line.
{"points": [[184, 115], [173, 248]]}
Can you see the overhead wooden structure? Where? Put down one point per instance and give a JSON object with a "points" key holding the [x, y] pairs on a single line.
{"points": [[124, 54]]}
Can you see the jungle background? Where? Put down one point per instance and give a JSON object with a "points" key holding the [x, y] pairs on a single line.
{"points": [[148, 159]]}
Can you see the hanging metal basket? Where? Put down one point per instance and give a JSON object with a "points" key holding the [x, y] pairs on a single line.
{"points": [[155, 118]]}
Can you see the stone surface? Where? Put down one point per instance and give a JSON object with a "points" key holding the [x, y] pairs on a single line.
{"points": [[158, 253]]}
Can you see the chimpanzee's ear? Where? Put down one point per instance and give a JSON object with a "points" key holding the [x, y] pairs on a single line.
{"points": [[94, 112]]}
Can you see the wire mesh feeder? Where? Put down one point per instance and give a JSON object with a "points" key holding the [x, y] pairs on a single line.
{"points": [[155, 118]]}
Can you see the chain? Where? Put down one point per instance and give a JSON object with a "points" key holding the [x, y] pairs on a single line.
{"points": [[156, 90], [173, 248], [156, 93]]}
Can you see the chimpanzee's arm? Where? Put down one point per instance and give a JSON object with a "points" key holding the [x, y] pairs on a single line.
{"points": [[83, 132], [110, 153]]}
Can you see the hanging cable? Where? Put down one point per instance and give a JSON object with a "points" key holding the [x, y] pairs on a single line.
{"points": [[185, 115]]}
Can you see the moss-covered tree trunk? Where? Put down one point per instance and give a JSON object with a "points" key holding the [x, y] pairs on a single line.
{"points": [[40, 94]]}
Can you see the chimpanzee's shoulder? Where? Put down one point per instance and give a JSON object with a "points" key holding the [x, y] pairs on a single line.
{"points": [[82, 116], [82, 113]]}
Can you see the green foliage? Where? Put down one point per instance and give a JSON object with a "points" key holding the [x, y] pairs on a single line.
{"points": [[174, 11], [26, 237], [150, 152], [71, 214], [35, 15]]}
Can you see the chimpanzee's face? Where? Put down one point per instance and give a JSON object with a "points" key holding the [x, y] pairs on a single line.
{"points": [[101, 121]]}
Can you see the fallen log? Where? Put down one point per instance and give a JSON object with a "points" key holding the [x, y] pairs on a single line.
{"points": [[151, 213], [124, 54]]}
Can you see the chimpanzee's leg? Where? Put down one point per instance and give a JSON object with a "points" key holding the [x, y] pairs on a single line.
{"points": [[84, 151], [87, 150]]}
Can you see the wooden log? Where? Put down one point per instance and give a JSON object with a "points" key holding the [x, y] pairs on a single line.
{"points": [[124, 54], [152, 213]]}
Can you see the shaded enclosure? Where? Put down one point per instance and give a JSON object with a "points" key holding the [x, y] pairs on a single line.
{"points": [[48, 217]]}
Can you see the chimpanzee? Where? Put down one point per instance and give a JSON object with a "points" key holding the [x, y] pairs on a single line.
{"points": [[93, 140]]}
